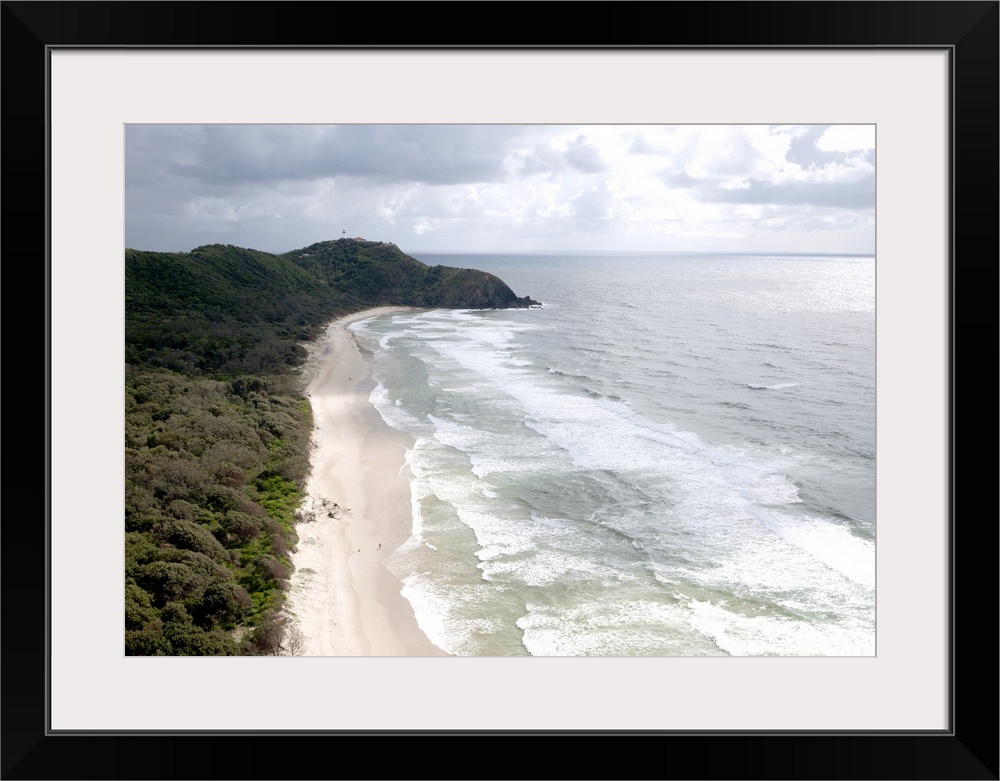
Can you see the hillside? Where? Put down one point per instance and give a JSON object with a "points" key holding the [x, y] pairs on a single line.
{"points": [[217, 432], [227, 309], [380, 273]]}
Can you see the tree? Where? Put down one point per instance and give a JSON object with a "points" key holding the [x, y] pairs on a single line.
{"points": [[295, 640]]}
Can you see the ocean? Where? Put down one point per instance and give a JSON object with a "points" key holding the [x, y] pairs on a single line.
{"points": [[673, 456]]}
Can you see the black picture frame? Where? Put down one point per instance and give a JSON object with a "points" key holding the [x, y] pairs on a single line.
{"points": [[967, 750]]}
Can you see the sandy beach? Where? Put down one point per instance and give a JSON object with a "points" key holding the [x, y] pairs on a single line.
{"points": [[357, 512]]}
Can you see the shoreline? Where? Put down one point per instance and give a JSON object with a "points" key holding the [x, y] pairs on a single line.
{"points": [[341, 596]]}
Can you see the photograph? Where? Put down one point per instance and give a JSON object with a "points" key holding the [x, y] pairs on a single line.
{"points": [[553, 390], [500, 386]]}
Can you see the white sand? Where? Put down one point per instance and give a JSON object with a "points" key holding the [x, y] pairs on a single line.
{"points": [[342, 597]]}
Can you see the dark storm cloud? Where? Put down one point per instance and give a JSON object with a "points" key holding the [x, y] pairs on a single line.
{"points": [[225, 155]]}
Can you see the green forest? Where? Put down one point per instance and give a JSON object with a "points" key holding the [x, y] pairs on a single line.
{"points": [[218, 431]]}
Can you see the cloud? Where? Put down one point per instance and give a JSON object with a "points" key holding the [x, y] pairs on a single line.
{"points": [[847, 138], [735, 156], [578, 156], [805, 151], [542, 159], [482, 188], [592, 207], [232, 154], [858, 194], [672, 177], [781, 166], [638, 144], [584, 157]]}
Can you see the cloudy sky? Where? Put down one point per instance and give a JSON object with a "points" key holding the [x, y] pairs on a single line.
{"points": [[503, 188]]}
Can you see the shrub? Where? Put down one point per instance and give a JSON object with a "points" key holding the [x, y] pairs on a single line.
{"points": [[267, 637]]}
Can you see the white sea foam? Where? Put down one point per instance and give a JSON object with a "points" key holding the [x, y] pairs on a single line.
{"points": [[765, 634], [611, 628], [831, 543], [775, 386]]}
